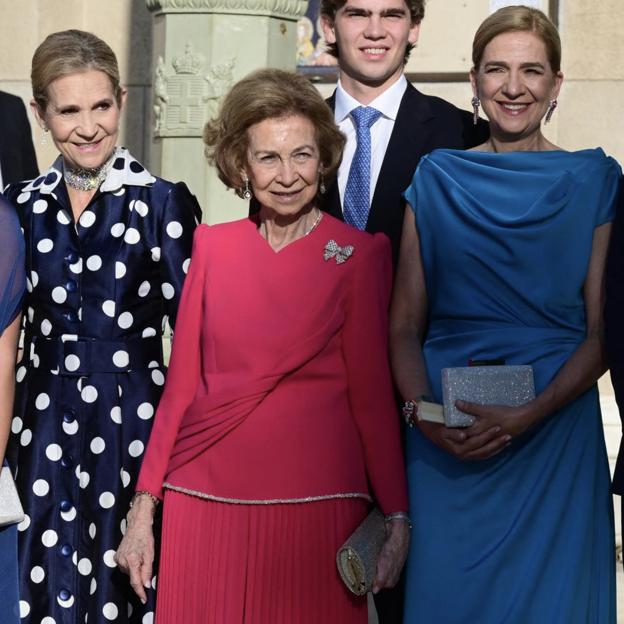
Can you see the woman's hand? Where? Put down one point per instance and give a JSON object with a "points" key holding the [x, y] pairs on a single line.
{"points": [[511, 421], [393, 554], [135, 554], [467, 443]]}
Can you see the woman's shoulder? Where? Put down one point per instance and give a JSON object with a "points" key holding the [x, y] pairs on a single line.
{"points": [[227, 233], [600, 158], [364, 244], [22, 192]]}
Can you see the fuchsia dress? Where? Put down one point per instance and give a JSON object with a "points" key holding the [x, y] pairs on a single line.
{"points": [[276, 427]]}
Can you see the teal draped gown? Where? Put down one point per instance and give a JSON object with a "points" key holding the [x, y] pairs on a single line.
{"points": [[527, 536]]}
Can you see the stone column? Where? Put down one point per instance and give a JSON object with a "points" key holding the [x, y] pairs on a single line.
{"points": [[201, 47]]}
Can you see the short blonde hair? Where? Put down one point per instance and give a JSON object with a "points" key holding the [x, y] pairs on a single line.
{"points": [[69, 52], [268, 94], [518, 19]]}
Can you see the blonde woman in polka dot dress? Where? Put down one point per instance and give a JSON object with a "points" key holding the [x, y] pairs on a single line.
{"points": [[107, 250]]}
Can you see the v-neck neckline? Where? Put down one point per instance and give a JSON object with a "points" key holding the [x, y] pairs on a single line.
{"points": [[298, 242]]}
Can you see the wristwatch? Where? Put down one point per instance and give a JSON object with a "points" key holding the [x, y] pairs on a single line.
{"points": [[410, 409]]}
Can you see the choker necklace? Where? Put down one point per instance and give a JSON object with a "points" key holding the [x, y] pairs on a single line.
{"points": [[87, 179]]}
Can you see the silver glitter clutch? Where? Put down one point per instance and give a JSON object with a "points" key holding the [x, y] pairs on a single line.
{"points": [[357, 557], [10, 507], [486, 385]]}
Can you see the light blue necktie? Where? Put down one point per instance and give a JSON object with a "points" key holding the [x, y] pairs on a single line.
{"points": [[357, 192]]}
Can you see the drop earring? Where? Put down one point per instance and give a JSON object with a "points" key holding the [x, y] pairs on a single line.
{"points": [[44, 137], [246, 191], [476, 102], [322, 188], [551, 109]]}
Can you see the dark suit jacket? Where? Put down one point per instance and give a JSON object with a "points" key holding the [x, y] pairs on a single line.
{"points": [[423, 123], [614, 324], [17, 153]]}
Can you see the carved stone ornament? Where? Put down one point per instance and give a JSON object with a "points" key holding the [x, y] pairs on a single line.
{"points": [[284, 9], [185, 99]]}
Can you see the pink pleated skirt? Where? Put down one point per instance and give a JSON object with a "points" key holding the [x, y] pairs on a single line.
{"points": [[225, 563]]}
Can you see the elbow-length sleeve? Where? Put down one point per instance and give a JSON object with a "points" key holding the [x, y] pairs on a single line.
{"points": [[12, 270], [184, 372], [181, 216], [365, 350]]}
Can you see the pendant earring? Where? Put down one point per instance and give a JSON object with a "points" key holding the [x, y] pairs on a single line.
{"points": [[322, 188], [551, 109], [247, 191], [44, 137], [476, 102]]}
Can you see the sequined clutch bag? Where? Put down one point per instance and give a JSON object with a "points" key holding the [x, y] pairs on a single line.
{"points": [[10, 507], [486, 385], [357, 557]]}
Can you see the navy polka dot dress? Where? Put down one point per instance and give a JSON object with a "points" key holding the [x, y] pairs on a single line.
{"points": [[99, 292]]}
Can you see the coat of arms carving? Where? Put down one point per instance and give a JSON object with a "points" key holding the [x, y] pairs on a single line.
{"points": [[185, 99]]}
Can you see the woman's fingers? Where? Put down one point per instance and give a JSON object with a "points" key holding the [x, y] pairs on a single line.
{"points": [[388, 571], [135, 557], [489, 449], [146, 572], [136, 581], [392, 556]]}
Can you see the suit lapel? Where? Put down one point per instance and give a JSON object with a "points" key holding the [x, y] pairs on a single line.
{"points": [[331, 199], [407, 144]]}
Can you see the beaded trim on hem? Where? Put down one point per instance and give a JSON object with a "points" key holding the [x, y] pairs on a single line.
{"points": [[272, 501]]}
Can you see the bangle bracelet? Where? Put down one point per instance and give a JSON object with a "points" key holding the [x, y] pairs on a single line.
{"points": [[398, 515], [138, 493], [410, 410]]}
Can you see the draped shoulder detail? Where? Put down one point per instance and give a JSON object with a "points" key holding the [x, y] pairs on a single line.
{"points": [[516, 188]]}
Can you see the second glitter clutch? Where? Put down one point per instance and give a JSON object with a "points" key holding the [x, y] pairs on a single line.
{"points": [[486, 385]]}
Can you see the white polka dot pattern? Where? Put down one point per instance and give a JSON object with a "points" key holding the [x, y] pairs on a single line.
{"points": [[37, 574], [81, 434], [49, 538]]}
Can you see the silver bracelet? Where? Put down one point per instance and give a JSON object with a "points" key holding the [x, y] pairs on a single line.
{"points": [[399, 515]]}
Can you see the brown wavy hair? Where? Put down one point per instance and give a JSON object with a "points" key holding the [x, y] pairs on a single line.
{"points": [[268, 94]]}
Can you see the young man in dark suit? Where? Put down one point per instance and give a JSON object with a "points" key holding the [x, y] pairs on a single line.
{"points": [[17, 153], [372, 40]]}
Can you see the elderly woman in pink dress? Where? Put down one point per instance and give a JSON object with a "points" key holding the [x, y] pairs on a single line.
{"points": [[277, 425]]}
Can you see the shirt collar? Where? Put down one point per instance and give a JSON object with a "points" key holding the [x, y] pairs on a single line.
{"points": [[387, 102], [126, 171]]}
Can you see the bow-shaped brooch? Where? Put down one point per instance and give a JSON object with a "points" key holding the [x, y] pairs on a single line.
{"points": [[333, 250]]}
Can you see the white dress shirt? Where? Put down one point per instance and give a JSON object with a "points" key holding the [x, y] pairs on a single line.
{"points": [[388, 104]]}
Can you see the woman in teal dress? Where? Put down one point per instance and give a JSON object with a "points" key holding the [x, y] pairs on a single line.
{"points": [[502, 257], [12, 285]]}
